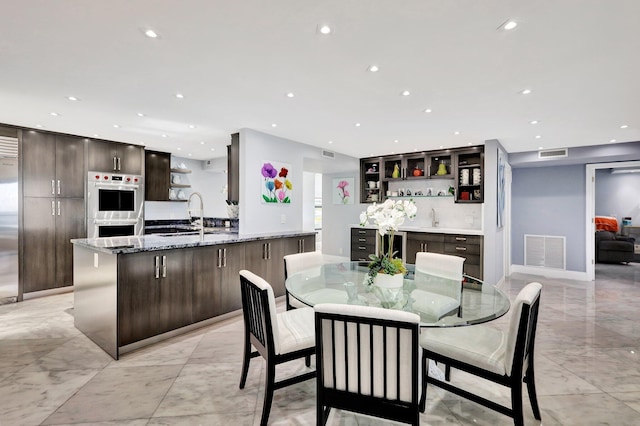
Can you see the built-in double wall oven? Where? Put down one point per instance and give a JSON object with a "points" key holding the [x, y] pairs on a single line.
{"points": [[115, 205]]}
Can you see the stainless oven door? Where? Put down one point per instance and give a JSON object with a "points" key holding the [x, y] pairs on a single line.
{"points": [[99, 228]]}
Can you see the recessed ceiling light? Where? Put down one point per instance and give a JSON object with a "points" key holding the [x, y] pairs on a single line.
{"points": [[72, 98], [95, 135], [406, 93], [117, 126], [509, 25], [330, 142], [324, 29], [55, 114], [192, 126], [213, 149], [374, 68], [202, 143], [164, 136], [39, 125], [540, 147], [538, 137], [534, 122], [415, 149], [525, 92], [441, 146], [395, 141], [274, 125], [151, 34], [189, 154], [612, 140], [179, 96], [456, 133], [290, 95], [624, 126], [393, 152], [469, 143], [179, 149], [357, 124], [140, 114], [428, 110]]}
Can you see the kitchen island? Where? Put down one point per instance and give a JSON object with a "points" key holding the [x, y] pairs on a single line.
{"points": [[133, 291]]}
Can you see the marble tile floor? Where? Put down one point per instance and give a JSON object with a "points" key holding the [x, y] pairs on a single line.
{"points": [[587, 362]]}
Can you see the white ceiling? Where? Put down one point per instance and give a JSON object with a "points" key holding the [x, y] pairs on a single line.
{"points": [[234, 61]]}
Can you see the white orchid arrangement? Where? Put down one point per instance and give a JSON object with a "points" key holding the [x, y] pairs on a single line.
{"points": [[388, 217]]}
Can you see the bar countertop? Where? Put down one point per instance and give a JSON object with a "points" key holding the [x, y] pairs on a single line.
{"points": [[144, 243]]}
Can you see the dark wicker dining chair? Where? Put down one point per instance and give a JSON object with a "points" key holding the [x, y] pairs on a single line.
{"points": [[367, 361], [277, 337], [502, 357]]}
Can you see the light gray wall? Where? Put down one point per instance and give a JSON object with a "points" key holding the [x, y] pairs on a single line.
{"points": [[257, 217], [618, 195], [337, 218], [550, 201], [493, 236]]}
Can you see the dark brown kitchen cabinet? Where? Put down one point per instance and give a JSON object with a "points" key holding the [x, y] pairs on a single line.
{"points": [[423, 241], [115, 157], [469, 182], [471, 248], [363, 243], [47, 253], [295, 245], [154, 293], [216, 283], [52, 165], [157, 173], [233, 168], [265, 259]]}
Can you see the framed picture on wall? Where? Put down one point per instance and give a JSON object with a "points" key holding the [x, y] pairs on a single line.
{"points": [[276, 185], [342, 190]]}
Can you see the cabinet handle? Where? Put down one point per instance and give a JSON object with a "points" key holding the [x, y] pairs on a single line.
{"points": [[224, 257], [269, 251], [53, 208], [53, 187], [461, 238], [362, 240], [119, 164], [115, 166], [302, 241], [461, 248], [164, 266], [219, 258], [361, 248], [58, 187], [362, 232], [58, 208], [157, 263]]}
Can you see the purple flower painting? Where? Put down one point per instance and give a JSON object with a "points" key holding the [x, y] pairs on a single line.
{"points": [[342, 191], [276, 184]]}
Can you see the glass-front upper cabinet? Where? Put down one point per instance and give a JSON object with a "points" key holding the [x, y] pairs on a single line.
{"points": [[469, 181], [406, 166], [371, 180], [440, 165]]}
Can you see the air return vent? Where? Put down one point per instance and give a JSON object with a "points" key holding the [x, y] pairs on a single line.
{"points": [[553, 153], [544, 251], [8, 147], [328, 154]]}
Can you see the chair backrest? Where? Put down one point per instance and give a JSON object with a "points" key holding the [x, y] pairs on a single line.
{"points": [[439, 273], [259, 311], [294, 263], [522, 328], [367, 351]]}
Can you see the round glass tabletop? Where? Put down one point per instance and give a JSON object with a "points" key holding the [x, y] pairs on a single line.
{"points": [[440, 302]]}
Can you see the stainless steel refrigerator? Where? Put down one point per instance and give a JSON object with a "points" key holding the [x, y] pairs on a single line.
{"points": [[8, 219]]}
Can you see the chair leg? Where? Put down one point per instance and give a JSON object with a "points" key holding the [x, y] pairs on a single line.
{"points": [[307, 360], [516, 403], [268, 392], [425, 373], [447, 373], [322, 414], [531, 388], [245, 361]]}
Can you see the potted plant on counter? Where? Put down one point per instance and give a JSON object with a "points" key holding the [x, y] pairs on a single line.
{"points": [[385, 270]]}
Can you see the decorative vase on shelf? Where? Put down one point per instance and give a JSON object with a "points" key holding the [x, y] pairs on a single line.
{"points": [[396, 171]]}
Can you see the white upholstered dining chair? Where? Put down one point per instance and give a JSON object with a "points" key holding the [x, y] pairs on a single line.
{"points": [[277, 337], [503, 357], [311, 262], [367, 362], [438, 278]]}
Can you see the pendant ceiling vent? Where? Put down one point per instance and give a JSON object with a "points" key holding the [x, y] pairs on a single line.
{"points": [[553, 153]]}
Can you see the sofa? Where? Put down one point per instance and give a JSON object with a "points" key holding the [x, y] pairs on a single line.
{"points": [[612, 248]]}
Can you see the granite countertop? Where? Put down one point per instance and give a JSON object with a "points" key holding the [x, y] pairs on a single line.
{"points": [[430, 230], [151, 242]]}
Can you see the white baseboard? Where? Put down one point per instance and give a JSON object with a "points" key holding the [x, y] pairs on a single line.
{"points": [[550, 273]]}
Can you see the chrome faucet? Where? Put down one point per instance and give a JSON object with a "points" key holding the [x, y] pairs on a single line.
{"points": [[434, 218], [201, 212]]}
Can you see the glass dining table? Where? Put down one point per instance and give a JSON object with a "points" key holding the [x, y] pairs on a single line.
{"points": [[346, 282]]}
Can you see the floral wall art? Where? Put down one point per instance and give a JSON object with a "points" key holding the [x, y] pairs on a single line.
{"points": [[343, 191], [276, 186]]}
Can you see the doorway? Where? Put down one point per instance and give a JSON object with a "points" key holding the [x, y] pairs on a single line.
{"points": [[591, 209]]}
